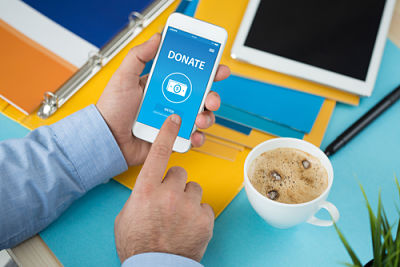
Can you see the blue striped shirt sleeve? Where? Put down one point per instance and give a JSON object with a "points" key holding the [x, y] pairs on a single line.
{"points": [[43, 173], [157, 259]]}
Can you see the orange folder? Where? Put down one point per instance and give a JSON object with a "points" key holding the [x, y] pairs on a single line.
{"points": [[229, 14], [28, 70]]}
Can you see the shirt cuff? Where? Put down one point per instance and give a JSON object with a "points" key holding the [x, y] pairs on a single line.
{"points": [[88, 142], [157, 259]]}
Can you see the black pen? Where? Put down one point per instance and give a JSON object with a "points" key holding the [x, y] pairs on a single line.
{"points": [[363, 122]]}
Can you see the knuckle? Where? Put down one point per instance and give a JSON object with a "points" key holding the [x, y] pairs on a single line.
{"points": [[206, 223], [160, 151], [208, 210], [169, 197], [169, 200]]}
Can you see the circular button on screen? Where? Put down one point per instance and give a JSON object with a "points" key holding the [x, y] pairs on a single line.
{"points": [[177, 87]]}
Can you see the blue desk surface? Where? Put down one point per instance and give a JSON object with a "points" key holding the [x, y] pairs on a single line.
{"points": [[83, 235]]}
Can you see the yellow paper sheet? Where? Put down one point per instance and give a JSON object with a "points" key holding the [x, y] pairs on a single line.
{"points": [[223, 142], [217, 149], [229, 14], [220, 179], [3, 104], [321, 123]]}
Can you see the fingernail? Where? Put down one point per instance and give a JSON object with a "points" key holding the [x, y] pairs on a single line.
{"points": [[209, 120], [176, 119], [203, 138]]}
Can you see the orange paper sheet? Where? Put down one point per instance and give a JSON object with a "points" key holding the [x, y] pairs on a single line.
{"points": [[28, 70], [228, 14]]}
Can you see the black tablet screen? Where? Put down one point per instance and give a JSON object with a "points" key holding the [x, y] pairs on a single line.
{"points": [[334, 35]]}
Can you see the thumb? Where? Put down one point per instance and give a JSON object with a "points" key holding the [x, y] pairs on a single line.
{"points": [[134, 62]]}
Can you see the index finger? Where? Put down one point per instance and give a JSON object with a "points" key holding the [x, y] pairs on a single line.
{"points": [[156, 163]]}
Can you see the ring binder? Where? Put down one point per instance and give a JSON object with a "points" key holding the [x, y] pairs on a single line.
{"points": [[137, 21]]}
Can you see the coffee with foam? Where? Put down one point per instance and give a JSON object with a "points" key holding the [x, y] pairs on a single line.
{"points": [[288, 175]]}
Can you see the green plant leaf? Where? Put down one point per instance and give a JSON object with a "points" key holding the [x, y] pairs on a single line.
{"points": [[397, 259], [388, 242], [387, 261], [386, 249], [375, 231], [380, 248], [350, 251]]}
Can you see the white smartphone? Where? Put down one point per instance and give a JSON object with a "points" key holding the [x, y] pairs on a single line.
{"points": [[180, 78]]}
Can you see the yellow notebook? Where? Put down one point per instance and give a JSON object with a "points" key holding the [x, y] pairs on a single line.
{"points": [[228, 14]]}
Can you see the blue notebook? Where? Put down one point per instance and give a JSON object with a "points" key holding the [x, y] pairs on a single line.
{"points": [[96, 21], [291, 108], [250, 120]]}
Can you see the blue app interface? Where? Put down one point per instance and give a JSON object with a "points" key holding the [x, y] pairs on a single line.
{"points": [[179, 80]]}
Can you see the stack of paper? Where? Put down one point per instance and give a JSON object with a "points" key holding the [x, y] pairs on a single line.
{"points": [[272, 109]]}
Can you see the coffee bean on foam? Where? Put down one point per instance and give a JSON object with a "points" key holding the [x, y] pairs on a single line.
{"points": [[288, 175]]}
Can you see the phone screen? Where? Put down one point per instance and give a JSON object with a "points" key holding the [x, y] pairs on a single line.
{"points": [[179, 80]]}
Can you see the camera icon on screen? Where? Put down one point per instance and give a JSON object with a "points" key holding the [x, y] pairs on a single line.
{"points": [[176, 87]]}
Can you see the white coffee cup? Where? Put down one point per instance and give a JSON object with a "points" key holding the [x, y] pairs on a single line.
{"points": [[282, 215]]}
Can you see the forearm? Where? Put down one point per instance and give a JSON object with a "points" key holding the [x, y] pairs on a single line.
{"points": [[43, 173]]}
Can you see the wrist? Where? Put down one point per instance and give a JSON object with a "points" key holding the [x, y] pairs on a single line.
{"points": [[85, 135]]}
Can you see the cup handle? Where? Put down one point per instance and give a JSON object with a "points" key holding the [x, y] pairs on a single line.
{"points": [[333, 211]]}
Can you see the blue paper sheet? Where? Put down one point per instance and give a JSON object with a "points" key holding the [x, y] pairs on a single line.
{"points": [[96, 21], [256, 122], [233, 125], [288, 107]]}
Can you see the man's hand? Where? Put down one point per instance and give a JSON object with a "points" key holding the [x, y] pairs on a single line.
{"points": [[120, 102], [164, 215]]}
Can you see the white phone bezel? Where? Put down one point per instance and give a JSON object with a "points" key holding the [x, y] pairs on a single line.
{"points": [[291, 67], [202, 29]]}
